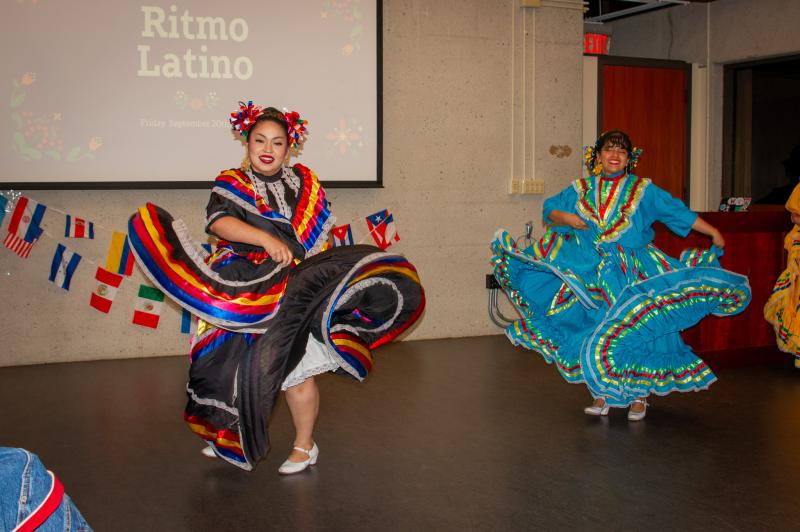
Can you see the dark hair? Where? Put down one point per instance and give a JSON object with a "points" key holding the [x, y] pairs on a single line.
{"points": [[615, 138], [271, 114]]}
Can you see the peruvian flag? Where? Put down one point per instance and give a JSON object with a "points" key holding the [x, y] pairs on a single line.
{"points": [[107, 286], [148, 306], [78, 228], [24, 228], [381, 227], [342, 235]]}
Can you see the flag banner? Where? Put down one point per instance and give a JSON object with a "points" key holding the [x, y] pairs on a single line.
{"points": [[3, 204], [24, 228], [186, 321], [65, 262], [342, 235], [381, 227], [120, 257], [78, 228], [148, 306], [107, 286]]}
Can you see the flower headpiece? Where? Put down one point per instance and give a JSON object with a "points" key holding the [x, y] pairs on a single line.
{"points": [[244, 119], [297, 128], [595, 167]]}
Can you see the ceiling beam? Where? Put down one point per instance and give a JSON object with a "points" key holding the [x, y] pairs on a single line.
{"points": [[644, 5]]}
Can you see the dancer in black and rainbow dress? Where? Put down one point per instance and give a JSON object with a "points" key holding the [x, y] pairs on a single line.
{"points": [[276, 305]]}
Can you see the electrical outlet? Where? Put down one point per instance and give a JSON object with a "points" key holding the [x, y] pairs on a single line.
{"points": [[533, 186], [491, 282], [515, 186]]}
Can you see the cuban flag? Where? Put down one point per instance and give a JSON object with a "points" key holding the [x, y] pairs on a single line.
{"points": [[24, 229], [381, 227], [78, 228], [65, 262], [342, 235]]}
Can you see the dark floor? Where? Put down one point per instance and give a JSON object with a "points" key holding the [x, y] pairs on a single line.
{"points": [[463, 434]]}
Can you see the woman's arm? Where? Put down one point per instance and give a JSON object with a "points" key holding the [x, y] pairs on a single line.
{"points": [[706, 228], [557, 217], [235, 230]]}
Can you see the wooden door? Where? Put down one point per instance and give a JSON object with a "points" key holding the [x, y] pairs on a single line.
{"points": [[651, 104]]}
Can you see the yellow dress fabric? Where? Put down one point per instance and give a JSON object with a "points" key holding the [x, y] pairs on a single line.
{"points": [[781, 309]]}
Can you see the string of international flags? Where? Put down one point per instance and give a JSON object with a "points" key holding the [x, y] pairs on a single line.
{"points": [[24, 230]]}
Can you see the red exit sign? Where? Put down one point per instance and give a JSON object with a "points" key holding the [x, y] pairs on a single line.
{"points": [[595, 43]]}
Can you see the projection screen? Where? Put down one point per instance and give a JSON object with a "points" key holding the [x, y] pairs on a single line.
{"points": [[126, 94]]}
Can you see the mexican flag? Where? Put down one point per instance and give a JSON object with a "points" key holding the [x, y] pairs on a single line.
{"points": [[148, 306]]}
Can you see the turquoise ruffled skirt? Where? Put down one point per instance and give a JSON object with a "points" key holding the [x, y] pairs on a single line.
{"points": [[611, 317]]}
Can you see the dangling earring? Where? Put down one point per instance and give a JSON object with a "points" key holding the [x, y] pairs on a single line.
{"points": [[245, 166]]}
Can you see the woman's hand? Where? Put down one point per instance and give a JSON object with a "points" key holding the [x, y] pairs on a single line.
{"points": [[716, 238], [707, 229], [576, 222], [236, 230], [567, 218], [277, 249]]}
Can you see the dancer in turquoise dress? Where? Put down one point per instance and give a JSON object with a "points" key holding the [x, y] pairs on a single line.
{"points": [[599, 300]]}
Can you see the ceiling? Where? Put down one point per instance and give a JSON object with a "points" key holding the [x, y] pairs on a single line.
{"points": [[599, 11]]}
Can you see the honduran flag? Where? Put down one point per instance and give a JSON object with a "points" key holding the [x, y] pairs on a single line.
{"points": [[24, 228], [381, 227], [65, 262], [107, 286], [342, 235], [148, 306], [78, 228], [120, 258]]}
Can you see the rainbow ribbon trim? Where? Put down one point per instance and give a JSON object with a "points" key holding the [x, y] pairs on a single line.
{"points": [[182, 282]]}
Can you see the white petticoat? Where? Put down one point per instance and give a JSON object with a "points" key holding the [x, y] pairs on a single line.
{"points": [[316, 360]]}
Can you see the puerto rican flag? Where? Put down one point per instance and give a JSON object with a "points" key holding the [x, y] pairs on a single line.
{"points": [[24, 228], [342, 235], [78, 228], [381, 227], [65, 262]]}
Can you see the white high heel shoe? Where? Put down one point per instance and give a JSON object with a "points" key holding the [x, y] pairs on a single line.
{"points": [[597, 410], [638, 416], [290, 468]]}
